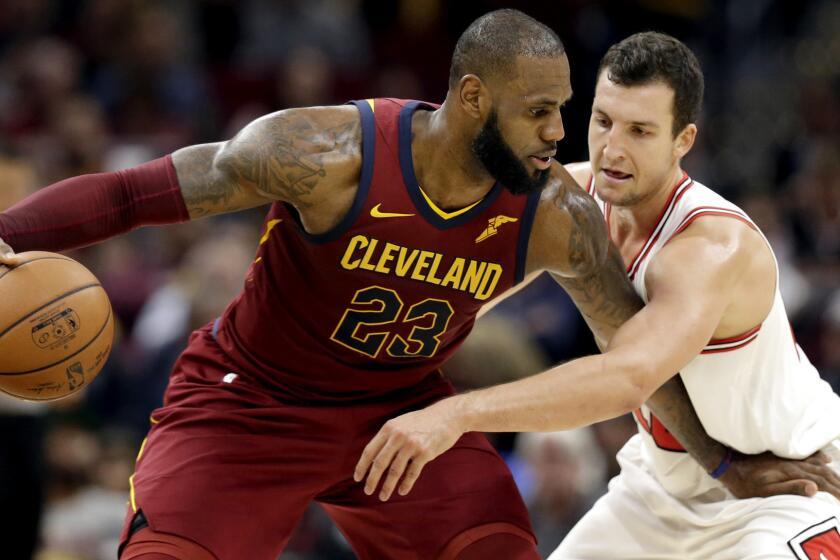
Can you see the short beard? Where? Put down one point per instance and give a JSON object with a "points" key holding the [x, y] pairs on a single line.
{"points": [[502, 164]]}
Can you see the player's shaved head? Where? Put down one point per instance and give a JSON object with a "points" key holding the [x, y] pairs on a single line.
{"points": [[492, 43]]}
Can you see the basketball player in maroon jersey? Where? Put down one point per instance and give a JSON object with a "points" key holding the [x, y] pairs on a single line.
{"points": [[391, 224]]}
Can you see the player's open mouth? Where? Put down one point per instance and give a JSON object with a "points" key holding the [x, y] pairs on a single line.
{"points": [[616, 175], [541, 162]]}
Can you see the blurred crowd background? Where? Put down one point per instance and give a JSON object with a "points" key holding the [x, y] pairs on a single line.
{"points": [[96, 85]]}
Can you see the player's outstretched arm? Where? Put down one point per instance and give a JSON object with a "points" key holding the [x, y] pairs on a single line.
{"points": [[308, 157], [642, 356], [747, 476], [299, 156]]}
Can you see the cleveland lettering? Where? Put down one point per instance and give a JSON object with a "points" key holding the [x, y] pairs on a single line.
{"points": [[477, 278]]}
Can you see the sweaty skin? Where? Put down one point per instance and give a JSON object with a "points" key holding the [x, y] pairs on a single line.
{"points": [[311, 158]]}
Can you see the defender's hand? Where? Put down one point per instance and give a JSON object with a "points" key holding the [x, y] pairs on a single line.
{"points": [[760, 476], [404, 445], [7, 255]]}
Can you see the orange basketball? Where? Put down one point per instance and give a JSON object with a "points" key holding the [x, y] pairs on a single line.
{"points": [[56, 327]]}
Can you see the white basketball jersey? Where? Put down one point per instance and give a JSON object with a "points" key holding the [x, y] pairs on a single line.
{"points": [[754, 392]]}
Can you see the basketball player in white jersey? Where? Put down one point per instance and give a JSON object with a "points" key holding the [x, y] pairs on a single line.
{"points": [[713, 313], [753, 388]]}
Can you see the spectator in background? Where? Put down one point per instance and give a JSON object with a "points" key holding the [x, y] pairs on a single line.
{"points": [[151, 87], [566, 472], [88, 489], [815, 203]]}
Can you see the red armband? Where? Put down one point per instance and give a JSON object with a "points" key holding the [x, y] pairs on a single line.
{"points": [[88, 209]]}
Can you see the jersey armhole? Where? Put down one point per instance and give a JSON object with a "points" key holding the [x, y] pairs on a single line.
{"points": [[525, 236]]}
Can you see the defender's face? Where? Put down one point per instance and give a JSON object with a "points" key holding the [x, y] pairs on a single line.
{"points": [[631, 145], [525, 118]]}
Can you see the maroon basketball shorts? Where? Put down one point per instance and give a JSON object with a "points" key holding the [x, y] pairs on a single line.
{"points": [[229, 467]]}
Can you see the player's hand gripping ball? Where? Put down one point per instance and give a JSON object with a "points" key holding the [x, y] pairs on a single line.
{"points": [[56, 326]]}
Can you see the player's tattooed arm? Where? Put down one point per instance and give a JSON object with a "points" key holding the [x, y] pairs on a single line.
{"points": [[748, 476], [570, 241], [296, 156], [605, 297]]}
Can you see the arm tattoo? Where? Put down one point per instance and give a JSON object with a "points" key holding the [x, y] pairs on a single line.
{"points": [[284, 156], [289, 157], [606, 298], [600, 287], [205, 192], [672, 405]]}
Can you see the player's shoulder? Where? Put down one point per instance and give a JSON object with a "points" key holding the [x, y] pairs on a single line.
{"points": [[710, 228], [305, 156], [704, 212], [719, 230], [318, 128], [568, 226], [564, 192], [581, 171]]}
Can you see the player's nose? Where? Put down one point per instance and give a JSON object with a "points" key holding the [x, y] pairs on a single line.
{"points": [[613, 148], [553, 131]]}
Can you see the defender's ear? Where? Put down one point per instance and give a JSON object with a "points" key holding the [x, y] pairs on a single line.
{"points": [[685, 140]]}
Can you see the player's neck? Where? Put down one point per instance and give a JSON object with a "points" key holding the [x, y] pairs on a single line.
{"points": [[638, 219], [445, 167]]}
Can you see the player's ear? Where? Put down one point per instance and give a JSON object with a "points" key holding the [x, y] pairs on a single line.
{"points": [[685, 140], [473, 96]]}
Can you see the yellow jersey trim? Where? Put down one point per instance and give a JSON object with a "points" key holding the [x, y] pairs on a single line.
{"points": [[444, 214], [268, 228], [370, 102], [142, 448], [131, 493]]}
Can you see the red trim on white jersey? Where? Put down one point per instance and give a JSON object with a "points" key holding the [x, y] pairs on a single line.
{"points": [[640, 417], [590, 185], [718, 345], [723, 344], [710, 211], [676, 194]]}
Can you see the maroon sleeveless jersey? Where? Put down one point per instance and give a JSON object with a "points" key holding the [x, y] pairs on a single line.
{"points": [[379, 302]]}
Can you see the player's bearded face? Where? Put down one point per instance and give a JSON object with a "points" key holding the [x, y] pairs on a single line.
{"points": [[499, 159]]}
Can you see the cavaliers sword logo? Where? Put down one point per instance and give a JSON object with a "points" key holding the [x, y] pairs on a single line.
{"points": [[493, 225]]}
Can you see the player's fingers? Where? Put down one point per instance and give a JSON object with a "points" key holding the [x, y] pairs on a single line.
{"points": [[800, 487], [411, 475], [826, 478], [819, 458], [8, 257], [368, 455], [381, 462], [395, 472]]}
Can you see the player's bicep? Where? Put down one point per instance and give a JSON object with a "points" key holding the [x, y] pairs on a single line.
{"points": [[580, 171], [688, 285], [209, 186], [294, 156]]}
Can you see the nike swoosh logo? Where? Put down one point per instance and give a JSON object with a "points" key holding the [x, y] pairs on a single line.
{"points": [[376, 213]]}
